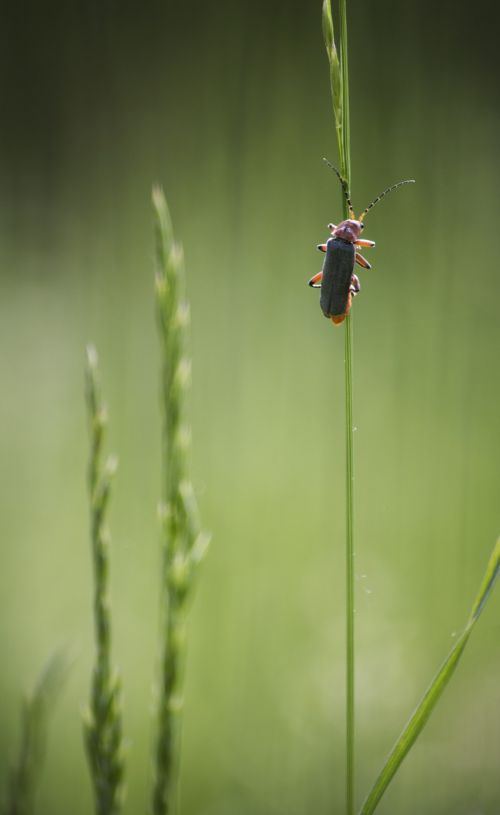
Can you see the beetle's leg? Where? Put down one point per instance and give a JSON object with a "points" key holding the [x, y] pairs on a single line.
{"points": [[355, 286], [332, 228], [349, 302], [321, 247], [363, 242], [315, 281], [362, 261]]}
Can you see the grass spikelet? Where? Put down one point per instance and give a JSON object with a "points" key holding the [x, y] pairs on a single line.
{"points": [[335, 71], [103, 718], [183, 542]]}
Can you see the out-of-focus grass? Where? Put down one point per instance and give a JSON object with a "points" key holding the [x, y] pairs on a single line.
{"points": [[430, 698], [242, 161], [19, 797]]}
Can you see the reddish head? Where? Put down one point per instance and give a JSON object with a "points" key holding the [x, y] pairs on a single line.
{"points": [[348, 230]]}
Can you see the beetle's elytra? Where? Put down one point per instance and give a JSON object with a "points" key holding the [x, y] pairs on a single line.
{"points": [[337, 280], [336, 277]]}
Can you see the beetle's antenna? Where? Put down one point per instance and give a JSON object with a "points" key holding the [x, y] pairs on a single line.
{"points": [[388, 190], [344, 187]]}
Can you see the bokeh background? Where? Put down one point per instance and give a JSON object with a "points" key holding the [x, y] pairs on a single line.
{"points": [[227, 105]]}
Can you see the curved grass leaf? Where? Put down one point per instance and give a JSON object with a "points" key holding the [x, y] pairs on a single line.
{"points": [[424, 709]]}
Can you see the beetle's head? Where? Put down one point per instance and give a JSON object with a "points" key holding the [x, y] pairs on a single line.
{"points": [[349, 230]]}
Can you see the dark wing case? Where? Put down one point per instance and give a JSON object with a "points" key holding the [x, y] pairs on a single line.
{"points": [[337, 273]]}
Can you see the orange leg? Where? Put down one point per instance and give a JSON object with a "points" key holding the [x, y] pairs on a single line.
{"points": [[362, 261], [363, 242], [321, 247], [315, 281]]}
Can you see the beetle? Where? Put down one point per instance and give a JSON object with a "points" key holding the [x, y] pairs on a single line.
{"points": [[337, 280]]}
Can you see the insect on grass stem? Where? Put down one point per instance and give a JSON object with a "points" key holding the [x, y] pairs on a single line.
{"points": [[339, 84]]}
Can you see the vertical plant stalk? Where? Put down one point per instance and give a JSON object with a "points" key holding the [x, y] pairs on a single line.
{"points": [[339, 83], [350, 610], [103, 718], [24, 774], [183, 542]]}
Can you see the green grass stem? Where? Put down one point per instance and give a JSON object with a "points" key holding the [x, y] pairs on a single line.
{"points": [[350, 575], [430, 698], [339, 84], [183, 542], [103, 719]]}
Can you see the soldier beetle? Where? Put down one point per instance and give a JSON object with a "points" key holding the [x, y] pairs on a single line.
{"points": [[337, 280]]}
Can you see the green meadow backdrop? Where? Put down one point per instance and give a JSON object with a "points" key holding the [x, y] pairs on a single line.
{"points": [[227, 105]]}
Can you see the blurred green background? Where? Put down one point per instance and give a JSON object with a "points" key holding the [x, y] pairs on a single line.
{"points": [[228, 106]]}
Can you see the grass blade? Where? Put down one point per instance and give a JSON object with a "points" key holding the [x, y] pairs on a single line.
{"points": [[428, 702]]}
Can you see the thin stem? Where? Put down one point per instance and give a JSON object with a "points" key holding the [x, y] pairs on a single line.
{"points": [[349, 573], [339, 69], [345, 163], [339, 84]]}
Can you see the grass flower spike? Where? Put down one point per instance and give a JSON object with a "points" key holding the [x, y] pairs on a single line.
{"points": [[103, 719], [183, 541], [335, 69]]}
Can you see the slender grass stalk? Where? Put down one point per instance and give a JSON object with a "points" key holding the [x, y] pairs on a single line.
{"points": [[103, 719], [24, 774], [350, 576], [183, 542], [339, 83], [430, 698]]}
